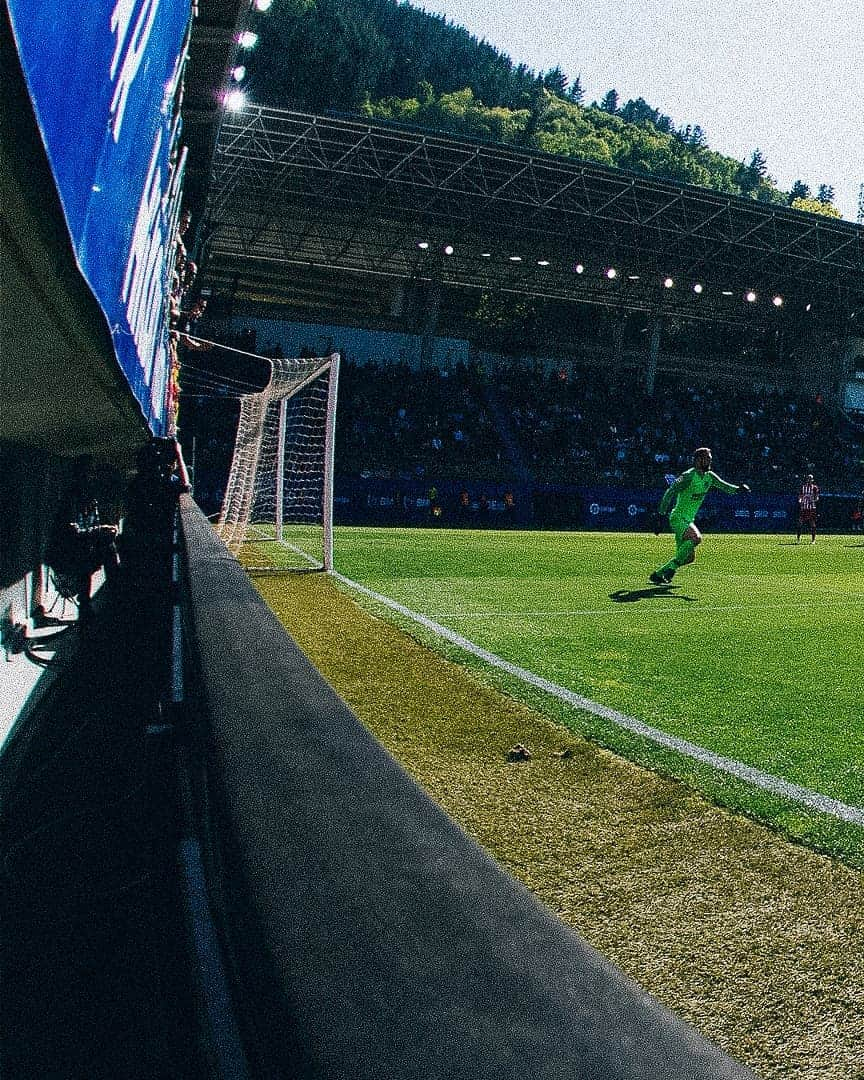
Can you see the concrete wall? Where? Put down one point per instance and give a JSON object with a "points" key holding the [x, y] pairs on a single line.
{"points": [[362, 346], [853, 364]]}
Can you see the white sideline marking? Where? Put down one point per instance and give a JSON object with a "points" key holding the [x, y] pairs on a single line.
{"points": [[764, 781], [290, 547], [301, 552]]}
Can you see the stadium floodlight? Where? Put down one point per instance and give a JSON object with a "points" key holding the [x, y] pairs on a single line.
{"points": [[698, 288], [515, 258], [777, 301], [248, 39], [485, 254], [263, 5], [238, 74], [750, 297], [579, 268], [448, 249], [668, 283], [728, 292], [611, 273], [280, 484], [808, 307], [542, 262], [423, 245], [632, 277], [235, 100]]}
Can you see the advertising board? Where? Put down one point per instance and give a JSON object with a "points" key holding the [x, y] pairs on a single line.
{"points": [[103, 79]]}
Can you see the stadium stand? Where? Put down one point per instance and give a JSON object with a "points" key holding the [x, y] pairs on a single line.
{"points": [[521, 424], [617, 433]]}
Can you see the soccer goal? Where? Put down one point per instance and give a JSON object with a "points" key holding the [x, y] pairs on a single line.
{"points": [[277, 513]]}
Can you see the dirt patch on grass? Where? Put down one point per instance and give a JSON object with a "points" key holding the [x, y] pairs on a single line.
{"points": [[757, 942]]}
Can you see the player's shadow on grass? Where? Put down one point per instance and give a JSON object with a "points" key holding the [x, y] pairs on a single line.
{"points": [[656, 592]]}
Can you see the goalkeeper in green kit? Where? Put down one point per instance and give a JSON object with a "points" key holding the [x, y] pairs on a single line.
{"points": [[688, 492]]}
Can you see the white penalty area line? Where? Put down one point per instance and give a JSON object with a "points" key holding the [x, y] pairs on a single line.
{"points": [[762, 780]]}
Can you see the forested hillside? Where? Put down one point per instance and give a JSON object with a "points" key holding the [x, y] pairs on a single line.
{"points": [[392, 61]]}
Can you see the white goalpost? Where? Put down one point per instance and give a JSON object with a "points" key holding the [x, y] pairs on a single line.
{"points": [[277, 512]]}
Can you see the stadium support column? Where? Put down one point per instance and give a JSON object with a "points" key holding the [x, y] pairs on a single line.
{"points": [[397, 301], [429, 323], [844, 362], [821, 364], [850, 390], [618, 341], [650, 373]]}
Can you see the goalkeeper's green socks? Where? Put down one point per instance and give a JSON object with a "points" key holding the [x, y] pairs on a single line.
{"points": [[665, 573], [683, 552], [682, 556]]}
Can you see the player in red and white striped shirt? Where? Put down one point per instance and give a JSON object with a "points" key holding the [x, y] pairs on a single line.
{"points": [[808, 497]]}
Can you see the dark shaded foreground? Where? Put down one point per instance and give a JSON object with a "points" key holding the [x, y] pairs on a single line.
{"points": [[365, 936], [96, 972]]}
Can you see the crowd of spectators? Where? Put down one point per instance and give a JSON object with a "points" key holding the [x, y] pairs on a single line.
{"points": [[524, 422], [208, 429], [433, 422], [580, 426]]}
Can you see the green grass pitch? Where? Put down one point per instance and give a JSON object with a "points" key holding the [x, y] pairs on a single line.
{"points": [[755, 652]]}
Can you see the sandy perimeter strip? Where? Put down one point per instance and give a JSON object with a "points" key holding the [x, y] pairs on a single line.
{"points": [[757, 942]]}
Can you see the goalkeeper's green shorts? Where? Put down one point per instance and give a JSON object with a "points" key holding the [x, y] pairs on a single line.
{"points": [[679, 524]]}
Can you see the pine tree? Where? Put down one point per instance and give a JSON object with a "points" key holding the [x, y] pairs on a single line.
{"points": [[638, 111], [860, 216], [556, 81], [758, 165], [576, 93], [609, 103], [692, 135], [538, 106], [750, 177], [825, 194], [799, 190]]}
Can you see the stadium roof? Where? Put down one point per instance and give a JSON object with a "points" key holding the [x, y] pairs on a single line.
{"points": [[212, 51], [299, 202]]}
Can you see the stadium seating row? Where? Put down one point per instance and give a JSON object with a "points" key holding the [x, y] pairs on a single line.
{"points": [[524, 423]]}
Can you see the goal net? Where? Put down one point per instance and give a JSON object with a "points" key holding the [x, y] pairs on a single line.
{"points": [[277, 513]]}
